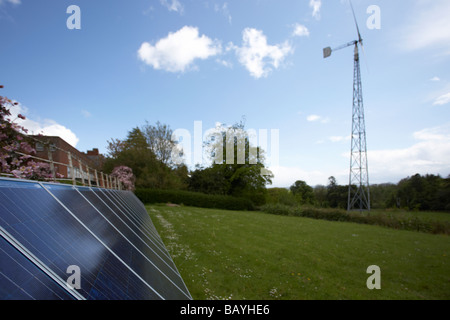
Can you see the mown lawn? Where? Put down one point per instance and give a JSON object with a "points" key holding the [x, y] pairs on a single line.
{"points": [[253, 255]]}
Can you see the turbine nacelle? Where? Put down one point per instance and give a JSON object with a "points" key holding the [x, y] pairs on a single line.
{"points": [[327, 51]]}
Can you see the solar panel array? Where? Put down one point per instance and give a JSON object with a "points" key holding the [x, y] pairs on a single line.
{"points": [[52, 235]]}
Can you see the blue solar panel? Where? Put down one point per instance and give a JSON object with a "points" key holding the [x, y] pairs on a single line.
{"points": [[106, 233], [20, 279]]}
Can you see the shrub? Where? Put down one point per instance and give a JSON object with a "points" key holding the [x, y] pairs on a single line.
{"points": [[392, 221], [194, 199]]}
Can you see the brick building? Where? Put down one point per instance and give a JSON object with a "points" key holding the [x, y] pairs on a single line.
{"points": [[65, 157]]}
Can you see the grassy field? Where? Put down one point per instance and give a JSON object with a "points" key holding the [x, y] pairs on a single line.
{"points": [[253, 255]]}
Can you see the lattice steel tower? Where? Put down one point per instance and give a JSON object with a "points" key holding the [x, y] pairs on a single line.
{"points": [[359, 189]]}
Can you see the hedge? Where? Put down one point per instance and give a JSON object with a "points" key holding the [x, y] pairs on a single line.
{"points": [[193, 199], [386, 220]]}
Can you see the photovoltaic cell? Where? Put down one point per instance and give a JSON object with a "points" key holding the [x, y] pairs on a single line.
{"points": [[106, 233], [20, 279]]}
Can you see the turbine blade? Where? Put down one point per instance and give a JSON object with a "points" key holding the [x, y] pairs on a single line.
{"points": [[356, 23], [365, 58]]}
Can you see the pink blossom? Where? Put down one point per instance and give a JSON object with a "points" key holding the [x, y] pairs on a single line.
{"points": [[16, 162], [125, 175], [8, 148], [17, 173]]}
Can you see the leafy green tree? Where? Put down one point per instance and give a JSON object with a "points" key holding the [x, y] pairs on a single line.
{"points": [[429, 192], [303, 193], [381, 195], [236, 167], [210, 180], [280, 196], [135, 153], [320, 195], [337, 196]]}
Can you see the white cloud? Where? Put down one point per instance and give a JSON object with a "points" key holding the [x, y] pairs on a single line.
{"points": [[46, 127], [86, 114], [429, 155], [300, 30], [178, 50], [225, 11], [16, 2], [313, 118], [340, 138], [436, 79], [316, 118], [441, 100], [173, 5], [315, 5], [428, 27], [258, 56], [225, 63]]}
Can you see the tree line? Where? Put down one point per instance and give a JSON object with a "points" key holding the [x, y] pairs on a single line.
{"points": [[418, 192], [149, 152], [154, 158]]}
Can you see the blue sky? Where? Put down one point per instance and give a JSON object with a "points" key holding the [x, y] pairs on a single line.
{"points": [[181, 61]]}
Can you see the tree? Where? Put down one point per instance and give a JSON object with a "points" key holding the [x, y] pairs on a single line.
{"points": [[320, 196], [16, 149], [210, 180], [134, 152], [115, 147], [303, 193], [159, 139], [418, 192], [337, 196], [236, 166], [280, 196], [381, 195]]}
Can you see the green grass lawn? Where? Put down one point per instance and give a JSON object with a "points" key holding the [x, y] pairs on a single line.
{"points": [[252, 255]]}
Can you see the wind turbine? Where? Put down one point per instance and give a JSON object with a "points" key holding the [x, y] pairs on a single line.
{"points": [[359, 189]]}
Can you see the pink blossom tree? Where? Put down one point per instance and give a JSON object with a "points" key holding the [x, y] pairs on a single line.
{"points": [[15, 147], [125, 175]]}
